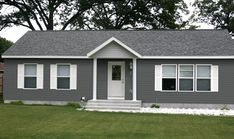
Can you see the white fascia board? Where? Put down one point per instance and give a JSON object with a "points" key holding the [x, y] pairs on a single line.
{"points": [[187, 57], [117, 41], [49, 57]]}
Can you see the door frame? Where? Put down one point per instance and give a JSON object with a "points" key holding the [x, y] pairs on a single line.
{"points": [[122, 63]]}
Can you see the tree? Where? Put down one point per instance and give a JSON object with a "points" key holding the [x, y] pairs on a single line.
{"points": [[4, 45], [44, 14], [93, 14], [219, 13], [146, 14]]}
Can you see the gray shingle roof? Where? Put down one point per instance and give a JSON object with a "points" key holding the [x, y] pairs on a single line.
{"points": [[146, 43]]}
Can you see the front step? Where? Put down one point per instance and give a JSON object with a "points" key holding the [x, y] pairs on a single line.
{"points": [[113, 105]]}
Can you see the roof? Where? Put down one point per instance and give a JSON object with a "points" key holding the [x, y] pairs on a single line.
{"points": [[146, 43]]}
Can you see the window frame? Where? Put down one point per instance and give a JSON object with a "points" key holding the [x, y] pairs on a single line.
{"points": [[196, 77], [176, 79], [30, 76], [63, 64], [193, 78]]}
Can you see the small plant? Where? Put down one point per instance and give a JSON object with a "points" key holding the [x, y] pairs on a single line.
{"points": [[76, 105], [17, 102], [225, 107], [155, 106]]}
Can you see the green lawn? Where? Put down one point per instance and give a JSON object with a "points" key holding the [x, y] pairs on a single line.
{"points": [[54, 122]]}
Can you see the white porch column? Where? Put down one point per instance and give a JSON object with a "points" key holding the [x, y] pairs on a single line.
{"points": [[134, 79], [94, 78]]}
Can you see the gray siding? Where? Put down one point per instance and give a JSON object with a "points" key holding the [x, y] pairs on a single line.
{"points": [[84, 82], [145, 84], [102, 79]]}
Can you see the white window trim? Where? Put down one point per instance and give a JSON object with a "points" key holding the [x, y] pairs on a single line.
{"points": [[176, 77], [196, 78], [30, 76], [186, 78], [61, 64]]}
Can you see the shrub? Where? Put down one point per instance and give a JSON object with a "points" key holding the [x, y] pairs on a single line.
{"points": [[76, 105], [17, 102], [225, 107], [155, 106]]}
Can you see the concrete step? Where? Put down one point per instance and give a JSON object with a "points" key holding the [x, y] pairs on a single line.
{"points": [[113, 105]]}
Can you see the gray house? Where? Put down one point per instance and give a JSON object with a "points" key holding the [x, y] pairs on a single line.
{"points": [[116, 69]]}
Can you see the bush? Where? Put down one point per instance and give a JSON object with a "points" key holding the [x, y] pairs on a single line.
{"points": [[76, 105], [155, 106], [225, 107], [17, 102]]}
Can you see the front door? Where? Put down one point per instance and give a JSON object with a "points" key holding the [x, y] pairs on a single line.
{"points": [[116, 80]]}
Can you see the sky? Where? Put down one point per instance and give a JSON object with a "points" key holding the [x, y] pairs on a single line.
{"points": [[16, 32]]}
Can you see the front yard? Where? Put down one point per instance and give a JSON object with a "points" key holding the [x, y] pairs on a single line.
{"points": [[63, 122]]}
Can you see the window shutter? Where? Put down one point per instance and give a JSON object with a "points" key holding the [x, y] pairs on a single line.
{"points": [[215, 78], [53, 76], [158, 78], [73, 76], [40, 76], [20, 74]]}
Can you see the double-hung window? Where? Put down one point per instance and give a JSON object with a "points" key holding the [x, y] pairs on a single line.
{"points": [[30, 76], [63, 76], [203, 78], [169, 80], [186, 78]]}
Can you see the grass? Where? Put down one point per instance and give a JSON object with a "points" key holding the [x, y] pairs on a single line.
{"points": [[62, 122]]}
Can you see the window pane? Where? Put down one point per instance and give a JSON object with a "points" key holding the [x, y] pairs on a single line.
{"points": [[203, 71], [30, 69], [169, 70], [30, 82], [63, 70], [186, 71], [63, 83], [203, 85], [169, 84], [116, 72], [186, 84]]}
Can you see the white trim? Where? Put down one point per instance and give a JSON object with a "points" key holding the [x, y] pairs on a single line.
{"points": [[134, 79], [109, 78], [187, 57], [139, 56], [109, 41], [214, 78], [53, 76], [185, 78], [52, 57], [73, 76], [176, 77], [94, 79], [40, 76]]}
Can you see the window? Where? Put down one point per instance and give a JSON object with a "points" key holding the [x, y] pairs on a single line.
{"points": [[186, 75], [63, 76], [203, 77], [116, 72], [30, 76], [169, 75]]}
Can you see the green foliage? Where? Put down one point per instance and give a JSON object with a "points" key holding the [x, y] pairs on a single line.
{"points": [[94, 14], [124, 14], [17, 102], [76, 105], [225, 107], [4, 45], [219, 13], [155, 106]]}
